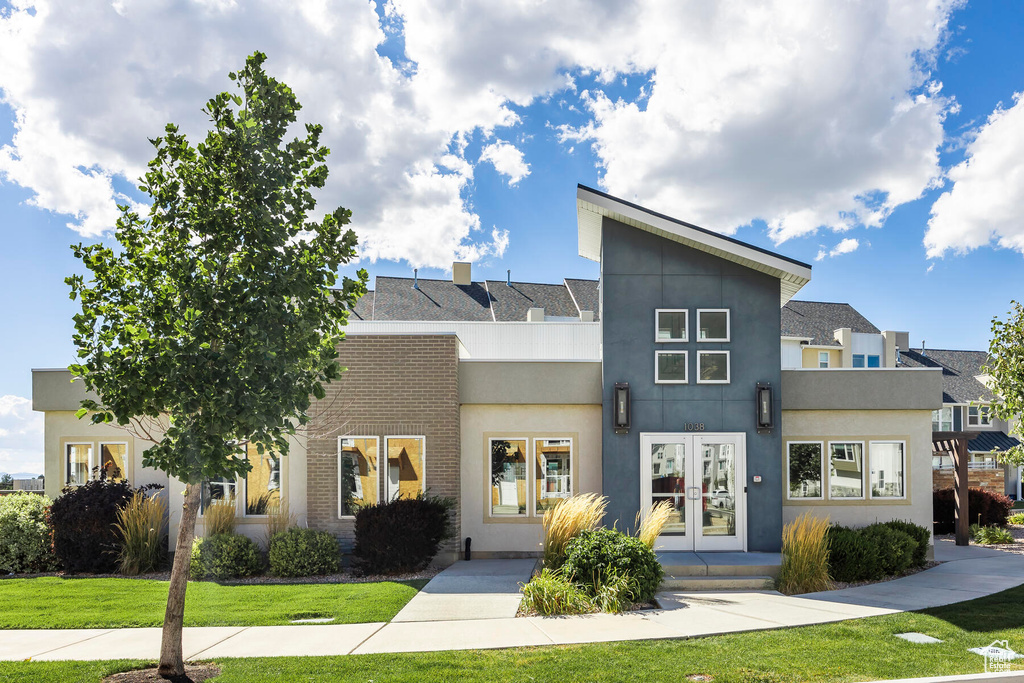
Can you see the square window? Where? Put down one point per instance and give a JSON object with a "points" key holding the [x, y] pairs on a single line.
{"points": [[508, 477], [805, 470], [874, 362], [978, 416], [672, 324], [846, 470], [858, 360], [822, 359], [712, 367], [670, 367], [887, 469], [78, 457], [357, 473], [713, 324], [553, 474], [406, 463]]}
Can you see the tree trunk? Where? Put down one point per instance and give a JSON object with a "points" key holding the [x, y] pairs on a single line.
{"points": [[171, 661]]}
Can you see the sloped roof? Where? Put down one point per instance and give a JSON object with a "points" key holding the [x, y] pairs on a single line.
{"points": [[510, 302], [991, 441], [959, 370], [819, 320], [364, 307], [585, 294]]}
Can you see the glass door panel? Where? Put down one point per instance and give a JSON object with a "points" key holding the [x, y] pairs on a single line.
{"points": [[718, 487], [668, 482]]}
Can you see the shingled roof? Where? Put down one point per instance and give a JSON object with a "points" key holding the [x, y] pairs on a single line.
{"points": [[395, 298], [818, 321], [959, 370]]}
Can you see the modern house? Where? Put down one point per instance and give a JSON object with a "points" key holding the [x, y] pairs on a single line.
{"points": [[663, 380]]}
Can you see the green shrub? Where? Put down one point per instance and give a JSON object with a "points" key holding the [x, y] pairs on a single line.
{"points": [[551, 593], [592, 557], [1016, 518], [612, 592], [24, 536], [895, 548], [851, 556], [990, 535], [304, 552], [225, 556], [986, 508], [917, 532], [82, 520], [402, 535]]}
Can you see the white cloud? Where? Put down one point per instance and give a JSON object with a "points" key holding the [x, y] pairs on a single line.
{"points": [[846, 246], [21, 436], [507, 160], [743, 112], [986, 201]]}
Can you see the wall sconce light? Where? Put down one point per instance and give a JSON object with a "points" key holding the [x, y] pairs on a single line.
{"points": [[765, 409], [621, 407]]}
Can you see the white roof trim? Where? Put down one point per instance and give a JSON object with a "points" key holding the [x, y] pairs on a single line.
{"points": [[592, 207]]}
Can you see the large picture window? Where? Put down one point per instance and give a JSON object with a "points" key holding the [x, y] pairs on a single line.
{"points": [[712, 324], [78, 459], [888, 469], [262, 481], [712, 367], [670, 367], [805, 465], [406, 463], [357, 473], [508, 477], [846, 469], [671, 324], [552, 472]]}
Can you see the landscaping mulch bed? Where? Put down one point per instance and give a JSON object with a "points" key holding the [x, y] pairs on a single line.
{"points": [[194, 673], [839, 585], [1017, 547]]}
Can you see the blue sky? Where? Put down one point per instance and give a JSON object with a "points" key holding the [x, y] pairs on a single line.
{"points": [[461, 132]]}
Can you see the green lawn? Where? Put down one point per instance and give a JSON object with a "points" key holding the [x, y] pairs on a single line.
{"points": [[49, 602], [848, 651]]}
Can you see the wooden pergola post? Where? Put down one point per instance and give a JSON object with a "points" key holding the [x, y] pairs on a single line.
{"points": [[955, 443]]}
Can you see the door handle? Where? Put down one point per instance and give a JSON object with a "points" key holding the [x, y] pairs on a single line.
{"points": [[694, 493]]}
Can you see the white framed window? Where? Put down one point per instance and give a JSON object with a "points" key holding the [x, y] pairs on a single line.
{"points": [[713, 367], [858, 360], [553, 468], [846, 470], [671, 324], [978, 415], [77, 462], [358, 476], [670, 367], [713, 325], [509, 476], [942, 419], [113, 460], [822, 359], [805, 461], [221, 491], [406, 466], [888, 469], [262, 482]]}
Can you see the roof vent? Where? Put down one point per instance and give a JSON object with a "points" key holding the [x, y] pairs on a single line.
{"points": [[415, 278], [898, 359], [924, 352], [508, 278], [462, 273]]}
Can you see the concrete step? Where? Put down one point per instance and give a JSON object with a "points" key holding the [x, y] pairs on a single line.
{"points": [[682, 564], [717, 583]]}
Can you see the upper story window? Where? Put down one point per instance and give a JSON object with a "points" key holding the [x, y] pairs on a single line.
{"points": [[861, 360], [942, 419], [670, 367], [712, 367], [672, 324], [858, 360], [712, 324], [978, 416], [822, 359], [874, 361]]}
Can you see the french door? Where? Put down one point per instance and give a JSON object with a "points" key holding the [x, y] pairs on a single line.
{"points": [[703, 477]]}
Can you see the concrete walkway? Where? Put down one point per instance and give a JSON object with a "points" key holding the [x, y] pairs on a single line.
{"points": [[481, 589], [967, 573]]}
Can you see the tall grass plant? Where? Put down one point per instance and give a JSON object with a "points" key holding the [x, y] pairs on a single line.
{"points": [[805, 556], [566, 520], [219, 517], [652, 521], [142, 527]]}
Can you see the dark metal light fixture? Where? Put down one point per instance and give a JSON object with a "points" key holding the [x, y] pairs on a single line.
{"points": [[621, 407], [765, 409]]}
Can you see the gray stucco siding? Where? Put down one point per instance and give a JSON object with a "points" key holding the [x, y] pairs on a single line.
{"points": [[643, 272]]}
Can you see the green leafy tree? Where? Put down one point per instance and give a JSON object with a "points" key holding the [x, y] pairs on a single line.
{"points": [[6, 482], [1006, 367], [214, 323]]}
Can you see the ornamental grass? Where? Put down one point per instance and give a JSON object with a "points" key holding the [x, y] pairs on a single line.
{"points": [[651, 522], [279, 519], [805, 556], [142, 527], [219, 517], [567, 519]]}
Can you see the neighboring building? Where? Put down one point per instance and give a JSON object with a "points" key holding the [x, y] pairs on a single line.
{"points": [[645, 386], [824, 335]]}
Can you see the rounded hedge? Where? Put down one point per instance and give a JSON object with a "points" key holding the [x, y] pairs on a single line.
{"points": [[304, 552], [895, 548], [401, 535], [851, 555], [225, 556], [24, 536], [592, 556], [919, 534]]}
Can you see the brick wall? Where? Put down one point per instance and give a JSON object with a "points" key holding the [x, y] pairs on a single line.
{"points": [[990, 480], [395, 385]]}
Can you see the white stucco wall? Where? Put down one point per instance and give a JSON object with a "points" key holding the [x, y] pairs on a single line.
{"points": [[912, 426], [479, 422]]}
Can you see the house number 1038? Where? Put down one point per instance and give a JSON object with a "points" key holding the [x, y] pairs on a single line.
{"points": [[693, 427]]}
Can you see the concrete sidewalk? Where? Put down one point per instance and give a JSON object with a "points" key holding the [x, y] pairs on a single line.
{"points": [[968, 573], [481, 589]]}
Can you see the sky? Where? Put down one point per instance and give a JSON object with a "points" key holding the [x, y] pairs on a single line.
{"points": [[881, 143]]}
